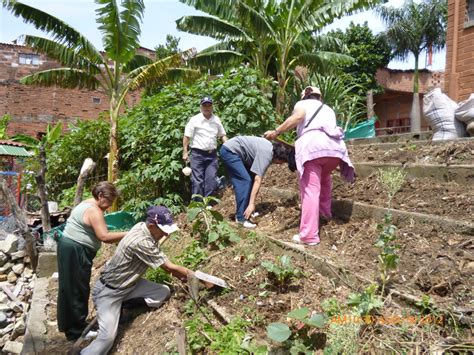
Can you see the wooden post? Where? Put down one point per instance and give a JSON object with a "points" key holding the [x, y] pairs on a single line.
{"points": [[87, 167], [181, 340], [40, 178], [21, 220]]}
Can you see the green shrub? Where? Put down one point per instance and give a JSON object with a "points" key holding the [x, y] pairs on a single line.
{"points": [[282, 272]]}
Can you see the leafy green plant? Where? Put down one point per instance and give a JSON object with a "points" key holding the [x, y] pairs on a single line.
{"points": [[301, 339], [192, 256], [209, 225], [66, 198], [366, 302], [387, 258], [4, 125], [282, 272], [331, 306], [158, 275]]}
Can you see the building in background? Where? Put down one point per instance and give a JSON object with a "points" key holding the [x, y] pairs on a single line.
{"points": [[31, 107], [459, 83], [393, 106]]}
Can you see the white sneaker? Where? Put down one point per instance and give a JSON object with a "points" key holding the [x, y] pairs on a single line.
{"points": [[91, 335], [296, 238], [248, 224]]}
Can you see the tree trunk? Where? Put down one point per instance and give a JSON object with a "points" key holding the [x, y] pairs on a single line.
{"points": [[23, 225], [40, 178], [415, 114], [113, 154], [87, 168], [370, 104]]}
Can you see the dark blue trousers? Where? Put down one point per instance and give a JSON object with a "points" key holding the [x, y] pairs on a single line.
{"points": [[204, 169], [241, 178]]}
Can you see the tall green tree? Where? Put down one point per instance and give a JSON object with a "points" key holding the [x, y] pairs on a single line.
{"points": [[270, 34], [414, 28], [370, 52], [117, 70]]}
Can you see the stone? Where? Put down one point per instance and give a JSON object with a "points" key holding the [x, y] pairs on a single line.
{"points": [[4, 339], [27, 273], [3, 258], [6, 268], [4, 307], [3, 297], [18, 268], [47, 264], [3, 320], [20, 254], [11, 277], [16, 307], [10, 244], [19, 328], [7, 329], [3, 277], [13, 347]]}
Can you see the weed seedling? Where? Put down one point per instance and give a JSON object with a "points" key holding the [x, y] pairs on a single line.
{"points": [[209, 225], [283, 272], [388, 258]]}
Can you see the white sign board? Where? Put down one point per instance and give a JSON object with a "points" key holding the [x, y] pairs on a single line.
{"points": [[212, 279]]}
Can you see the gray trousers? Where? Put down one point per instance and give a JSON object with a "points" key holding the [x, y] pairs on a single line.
{"points": [[204, 169], [109, 302]]}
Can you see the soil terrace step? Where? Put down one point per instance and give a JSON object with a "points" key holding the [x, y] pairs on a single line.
{"points": [[403, 137], [357, 282], [446, 173], [347, 209], [382, 146]]}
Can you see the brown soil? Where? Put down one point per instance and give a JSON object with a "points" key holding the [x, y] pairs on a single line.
{"points": [[416, 152], [432, 262]]}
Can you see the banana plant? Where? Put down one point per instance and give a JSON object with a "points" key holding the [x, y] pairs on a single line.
{"points": [[119, 69]]}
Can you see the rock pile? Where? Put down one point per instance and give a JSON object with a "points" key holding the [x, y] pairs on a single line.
{"points": [[16, 288]]}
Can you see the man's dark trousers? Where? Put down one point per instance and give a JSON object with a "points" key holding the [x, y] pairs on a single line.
{"points": [[204, 169]]}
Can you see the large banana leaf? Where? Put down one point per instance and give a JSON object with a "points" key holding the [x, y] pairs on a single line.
{"points": [[63, 54], [120, 30], [212, 27], [58, 29], [64, 77]]}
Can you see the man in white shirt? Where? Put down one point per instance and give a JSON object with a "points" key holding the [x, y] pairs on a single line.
{"points": [[201, 134]]}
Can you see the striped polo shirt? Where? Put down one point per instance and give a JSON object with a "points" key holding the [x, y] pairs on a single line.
{"points": [[137, 251]]}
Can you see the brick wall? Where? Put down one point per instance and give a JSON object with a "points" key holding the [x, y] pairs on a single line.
{"points": [[402, 80], [32, 108], [459, 82]]}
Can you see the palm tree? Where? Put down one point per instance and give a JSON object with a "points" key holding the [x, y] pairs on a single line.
{"points": [[271, 35], [117, 70], [414, 28]]}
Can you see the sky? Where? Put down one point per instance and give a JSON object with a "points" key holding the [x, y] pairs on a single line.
{"points": [[159, 20]]}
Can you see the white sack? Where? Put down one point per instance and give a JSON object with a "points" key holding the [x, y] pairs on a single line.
{"points": [[465, 110], [438, 110]]}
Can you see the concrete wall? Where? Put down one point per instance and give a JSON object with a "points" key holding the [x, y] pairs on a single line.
{"points": [[459, 51], [32, 108]]}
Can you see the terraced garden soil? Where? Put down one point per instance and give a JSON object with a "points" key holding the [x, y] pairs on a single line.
{"points": [[459, 153], [433, 262]]}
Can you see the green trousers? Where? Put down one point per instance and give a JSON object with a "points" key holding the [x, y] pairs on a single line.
{"points": [[74, 268]]}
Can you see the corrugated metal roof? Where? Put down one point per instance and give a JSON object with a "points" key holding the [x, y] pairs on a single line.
{"points": [[13, 150], [16, 144]]}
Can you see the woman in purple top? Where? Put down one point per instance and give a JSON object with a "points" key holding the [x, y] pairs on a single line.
{"points": [[319, 150]]}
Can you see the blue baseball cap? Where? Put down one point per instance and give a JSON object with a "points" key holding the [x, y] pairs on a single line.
{"points": [[161, 217], [206, 100]]}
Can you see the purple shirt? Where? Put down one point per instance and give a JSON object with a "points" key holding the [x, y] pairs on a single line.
{"points": [[322, 138]]}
